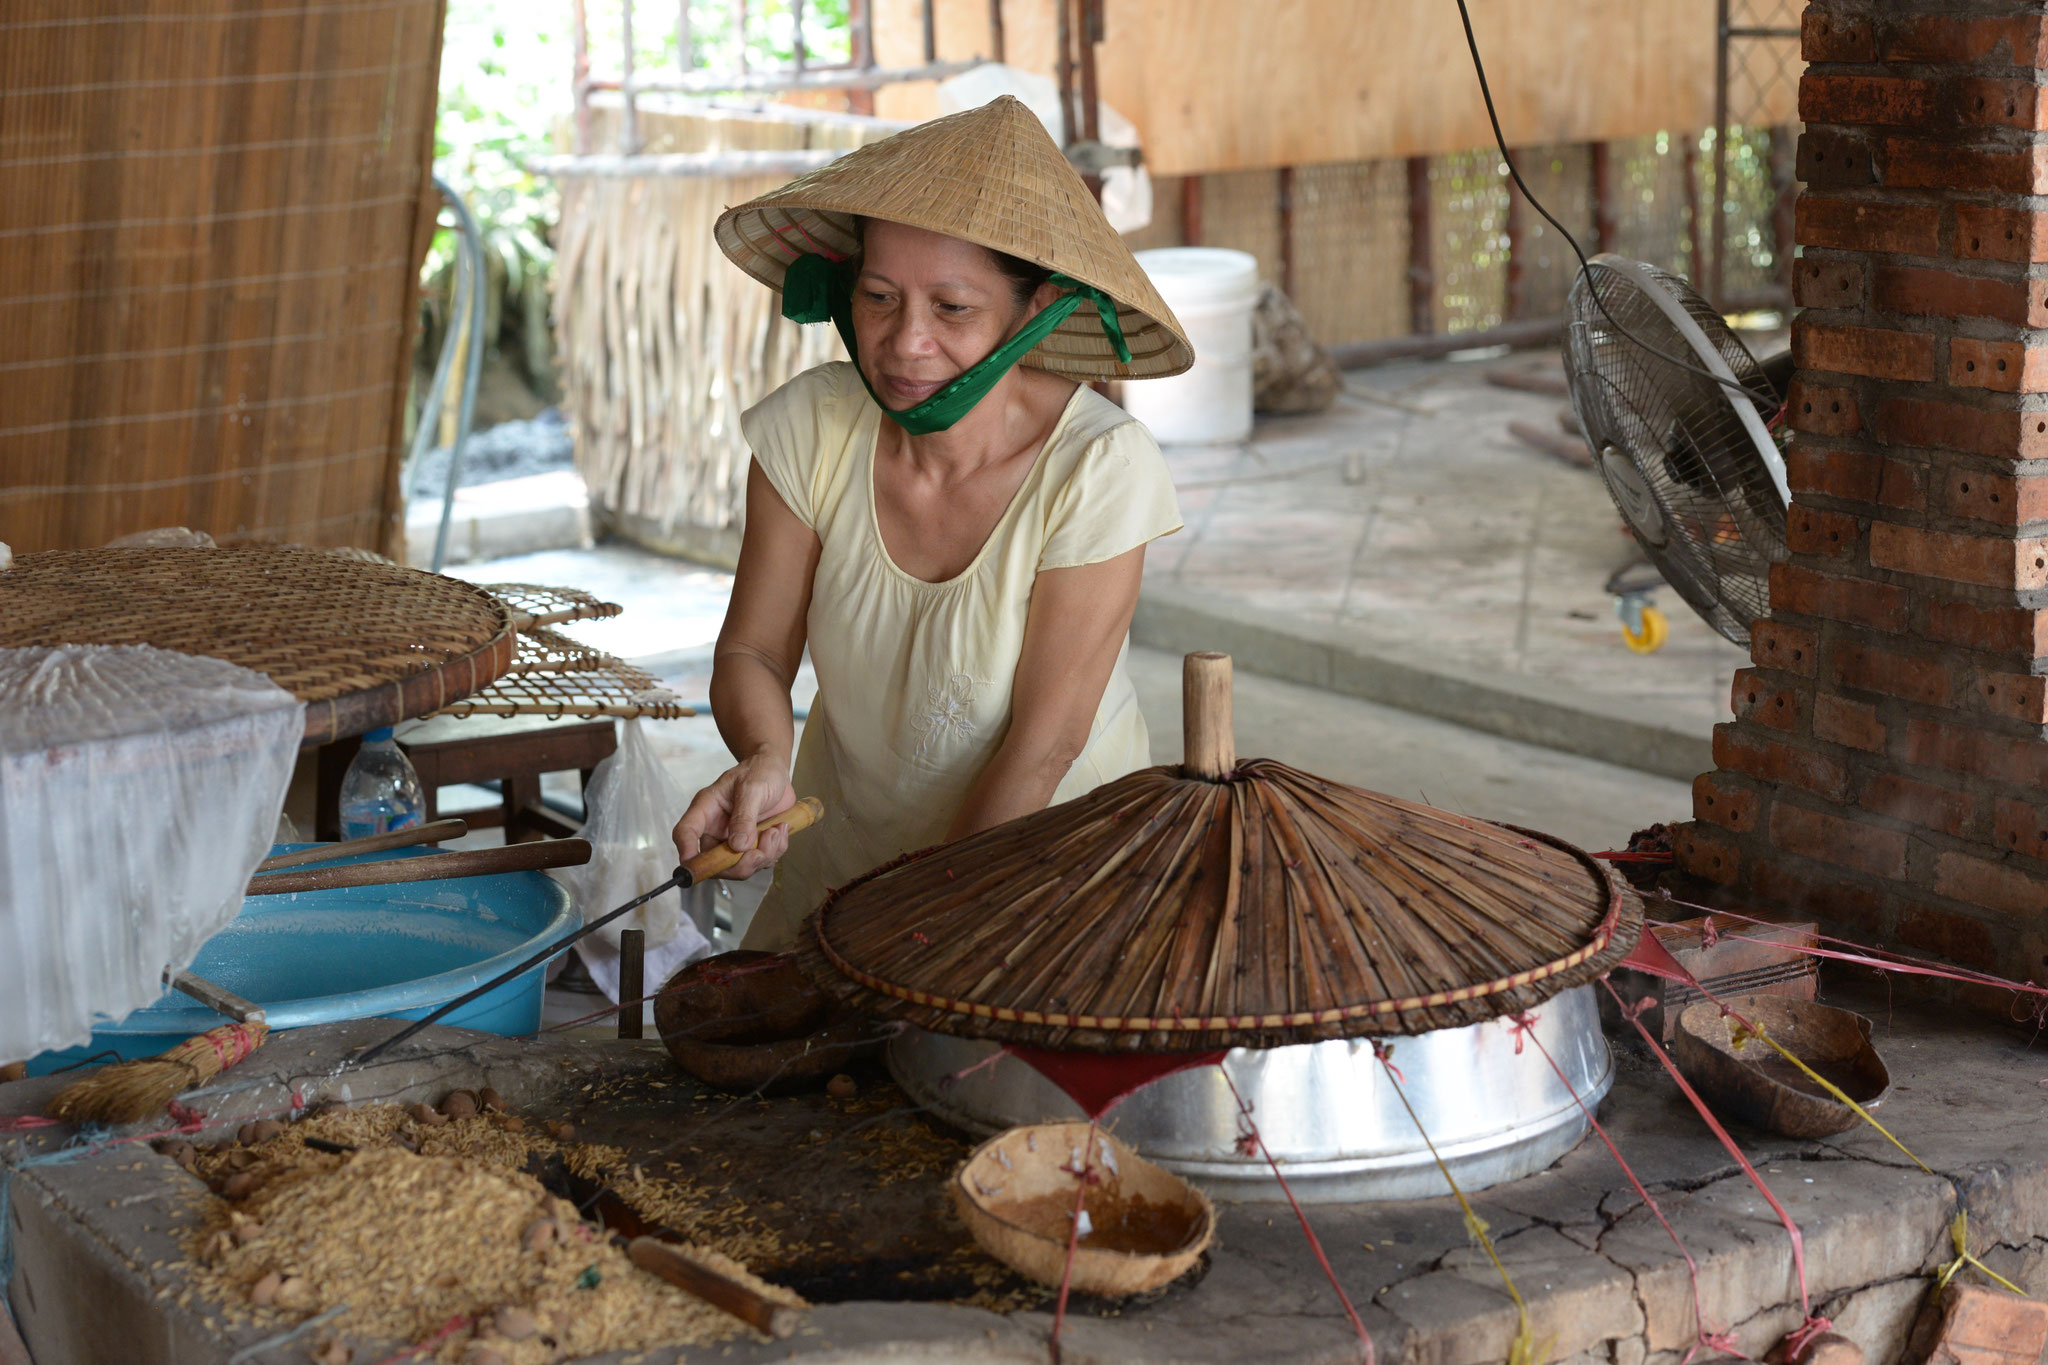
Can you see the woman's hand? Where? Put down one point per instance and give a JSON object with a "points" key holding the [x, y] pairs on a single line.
{"points": [[728, 809]]}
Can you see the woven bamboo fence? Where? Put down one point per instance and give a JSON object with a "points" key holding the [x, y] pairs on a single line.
{"points": [[663, 342], [210, 226]]}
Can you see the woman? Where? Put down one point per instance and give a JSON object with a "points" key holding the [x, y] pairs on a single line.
{"points": [[957, 538]]}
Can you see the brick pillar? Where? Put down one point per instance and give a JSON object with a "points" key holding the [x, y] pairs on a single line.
{"points": [[1887, 769]]}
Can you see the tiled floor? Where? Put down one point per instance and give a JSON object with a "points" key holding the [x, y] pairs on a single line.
{"points": [[1409, 519]]}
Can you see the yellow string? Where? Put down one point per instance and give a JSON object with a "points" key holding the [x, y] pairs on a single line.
{"points": [[1958, 1230], [1523, 1350], [1740, 1033]]}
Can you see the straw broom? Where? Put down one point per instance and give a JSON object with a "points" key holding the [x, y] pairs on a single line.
{"points": [[127, 1091]]}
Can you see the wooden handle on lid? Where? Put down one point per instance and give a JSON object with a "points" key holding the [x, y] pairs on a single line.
{"points": [[1208, 743]]}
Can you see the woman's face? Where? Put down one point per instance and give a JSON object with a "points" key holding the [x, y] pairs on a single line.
{"points": [[925, 308]]}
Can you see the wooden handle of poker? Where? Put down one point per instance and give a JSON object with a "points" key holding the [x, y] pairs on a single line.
{"points": [[713, 861], [475, 862], [744, 1302], [431, 833]]}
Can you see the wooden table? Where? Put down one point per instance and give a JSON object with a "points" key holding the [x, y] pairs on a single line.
{"points": [[513, 751]]}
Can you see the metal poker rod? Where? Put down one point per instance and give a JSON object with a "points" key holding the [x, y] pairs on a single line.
{"points": [[709, 863]]}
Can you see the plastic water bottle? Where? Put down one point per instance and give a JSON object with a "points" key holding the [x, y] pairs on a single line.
{"points": [[380, 792]]}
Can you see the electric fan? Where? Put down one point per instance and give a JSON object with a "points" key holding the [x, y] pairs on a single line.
{"points": [[1682, 438]]}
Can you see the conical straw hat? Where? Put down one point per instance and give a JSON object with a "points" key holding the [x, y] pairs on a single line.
{"points": [[989, 176], [1222, 904]]}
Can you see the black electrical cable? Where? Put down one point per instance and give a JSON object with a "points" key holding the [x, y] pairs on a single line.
{"points": [[1585, 267]]}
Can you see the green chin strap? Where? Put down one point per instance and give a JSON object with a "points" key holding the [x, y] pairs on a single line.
{"points": [[815, 290]]}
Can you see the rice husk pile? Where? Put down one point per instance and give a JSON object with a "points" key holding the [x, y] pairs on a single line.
{"points": [[450, 1242]]}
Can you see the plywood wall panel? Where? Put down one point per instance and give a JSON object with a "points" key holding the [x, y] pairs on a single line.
{"points": [[211, 214], [1217, 85]]}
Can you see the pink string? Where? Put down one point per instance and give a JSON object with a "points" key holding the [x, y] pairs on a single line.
{"points": [[1082, 1179], [820, 248], [1524, 1026], [1314, 1243], [1791, 1228]]}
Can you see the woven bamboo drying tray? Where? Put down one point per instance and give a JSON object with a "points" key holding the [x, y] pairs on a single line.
{"points": [[1221, 904], [560, 678], [362, 644], [532, 605]]}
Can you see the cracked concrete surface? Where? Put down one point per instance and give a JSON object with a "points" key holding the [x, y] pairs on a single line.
{"points": [[1602, 1279]]}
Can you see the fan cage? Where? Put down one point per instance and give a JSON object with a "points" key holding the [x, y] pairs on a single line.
{"points": [[1719, 521]]}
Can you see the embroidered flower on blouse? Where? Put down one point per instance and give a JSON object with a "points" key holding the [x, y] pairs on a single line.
{"points": [[946, 711]]}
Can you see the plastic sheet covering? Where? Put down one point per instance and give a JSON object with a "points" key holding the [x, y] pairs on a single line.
{"points": [[139, 788], [634, 804]]}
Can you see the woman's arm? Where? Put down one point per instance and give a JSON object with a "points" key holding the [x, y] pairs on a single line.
{"points": [[753, 666], [1076, 626]]}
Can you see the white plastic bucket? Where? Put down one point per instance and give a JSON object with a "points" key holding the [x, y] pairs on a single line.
{"points": [[1213, 292]]}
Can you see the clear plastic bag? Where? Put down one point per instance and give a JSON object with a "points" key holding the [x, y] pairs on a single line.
{"points": [[634, 804], [139, 788]]}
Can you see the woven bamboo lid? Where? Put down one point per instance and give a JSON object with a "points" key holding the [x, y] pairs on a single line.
{"points": [[1221, 904], [991, 176], [363, 644]]}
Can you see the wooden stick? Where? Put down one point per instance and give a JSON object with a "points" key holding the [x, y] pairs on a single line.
{"points": [[1208, 746], [632, 981], [475, 862], [743, 1301], [432, 832]]}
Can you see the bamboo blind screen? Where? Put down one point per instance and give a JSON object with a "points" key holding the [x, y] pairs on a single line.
{"points": [[211, 214], [664, 342]]}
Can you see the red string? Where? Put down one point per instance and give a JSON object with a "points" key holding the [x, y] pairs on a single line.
{"points": [[418, 1348], [1721, 1341], [1791, 1228], [1082, 1179], [1314, 1243]]}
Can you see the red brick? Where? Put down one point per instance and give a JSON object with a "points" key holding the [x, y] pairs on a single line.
{"points": [[1784, 764], [2020, 826], [2003, 366], [1923, 292], [1827, 282], [1861, 225], [1979, 753], [2016, 696], [1910, 163], [1999, 498], [1789, 649], [1903, 485], [2004, 630], [1811, 531], [1823, 410], [1841, 721], [1949, 40], [1852, 475], [1896, 675], [1753, 698], [1988, 561], [1843, 843], [1995, 886], [1822, 891], [1829, 37], [1900, 100], [1835, 159], [1874, 351], [1984, 233], [1706, 852], [1954, 426], [1998, 102], [1980, 1325], [1719, 801], [1919, 803], [1961, 939], [1860, 602]]}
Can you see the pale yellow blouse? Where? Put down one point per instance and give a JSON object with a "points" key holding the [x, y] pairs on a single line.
{"points": [[914, 678]]}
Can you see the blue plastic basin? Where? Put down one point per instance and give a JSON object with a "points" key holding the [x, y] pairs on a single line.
{"points": [[361, 953]]}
